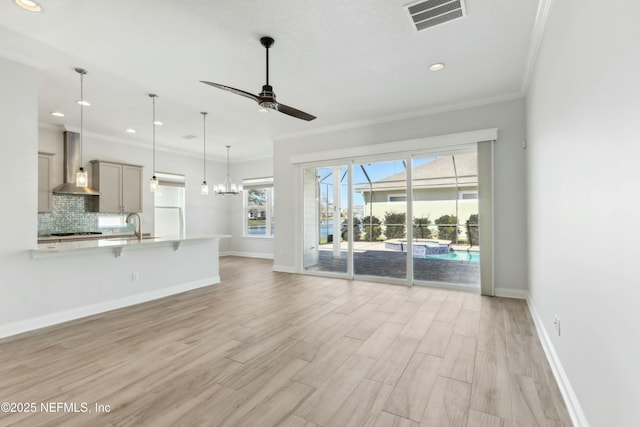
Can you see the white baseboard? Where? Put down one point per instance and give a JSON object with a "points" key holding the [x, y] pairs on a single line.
{"points": [[89, 310], [283, 269], [510, 293], [247, 254], [576, 413]]}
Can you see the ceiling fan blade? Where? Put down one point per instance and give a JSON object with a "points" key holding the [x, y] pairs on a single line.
{"points": [[233, 90], [293, 112]]}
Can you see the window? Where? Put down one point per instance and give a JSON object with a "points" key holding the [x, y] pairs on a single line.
{"points": [[396, 197], [258, 207], [468, 195]]}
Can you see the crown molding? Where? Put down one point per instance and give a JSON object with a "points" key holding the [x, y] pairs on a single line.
{"points": [[536, 41], [398, 117]]}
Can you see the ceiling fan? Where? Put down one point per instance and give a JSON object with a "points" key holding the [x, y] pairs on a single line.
{"points": [[266, 99]]}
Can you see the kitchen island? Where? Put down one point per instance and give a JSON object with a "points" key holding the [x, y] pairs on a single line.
{"points": [[82, 278]]}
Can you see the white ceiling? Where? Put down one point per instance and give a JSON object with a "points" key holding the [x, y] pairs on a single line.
{"points": [[342, 61]]}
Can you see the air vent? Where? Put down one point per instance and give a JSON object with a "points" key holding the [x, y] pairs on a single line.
{"points": [[426, 14], [189, 137]]}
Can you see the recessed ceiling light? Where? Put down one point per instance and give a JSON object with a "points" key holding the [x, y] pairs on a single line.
{"points": [[29, 5], [157, 123], [84, 103], [57, 114], [130, 130], [436, 67]]}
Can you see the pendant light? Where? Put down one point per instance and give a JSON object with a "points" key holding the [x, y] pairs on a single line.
{"points": [[229, 188], [82, 180], [204, 188], [153, 183]]}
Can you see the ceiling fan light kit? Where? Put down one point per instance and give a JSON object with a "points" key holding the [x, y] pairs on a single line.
{"points": [[29, 5], [267, 98]]}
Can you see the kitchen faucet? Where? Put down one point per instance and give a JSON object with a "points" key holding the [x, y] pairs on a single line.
{"points": [[137, 230]]}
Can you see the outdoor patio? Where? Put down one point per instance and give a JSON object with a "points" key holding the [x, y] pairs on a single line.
{"points": [[373, 259]]}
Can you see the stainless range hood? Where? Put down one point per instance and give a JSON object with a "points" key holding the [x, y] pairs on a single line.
{"points": [[71, 166]]}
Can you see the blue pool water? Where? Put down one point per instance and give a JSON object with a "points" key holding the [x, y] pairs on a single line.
{"points": [[258, 230], [458, 256]]}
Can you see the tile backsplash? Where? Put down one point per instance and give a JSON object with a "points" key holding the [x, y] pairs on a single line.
{"points": [[75, 213]]}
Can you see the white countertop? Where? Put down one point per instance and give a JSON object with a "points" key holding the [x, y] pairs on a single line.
{"points": [[118, 245]]}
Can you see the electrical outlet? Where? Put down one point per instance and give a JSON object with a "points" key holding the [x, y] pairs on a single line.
{"points": [[556, 324], [135, 276]]}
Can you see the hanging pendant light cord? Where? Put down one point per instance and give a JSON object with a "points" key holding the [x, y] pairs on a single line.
{"points": [[204, 146], [81, 117], [228, 160], [154, 134]]}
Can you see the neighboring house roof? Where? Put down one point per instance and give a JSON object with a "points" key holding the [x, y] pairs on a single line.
{"points": [[438, 173]]}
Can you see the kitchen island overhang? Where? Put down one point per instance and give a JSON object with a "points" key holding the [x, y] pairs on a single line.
{"points": [[117, 245], [72, 280]]}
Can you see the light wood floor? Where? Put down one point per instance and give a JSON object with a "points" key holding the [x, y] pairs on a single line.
{"points": [[265, 348]]}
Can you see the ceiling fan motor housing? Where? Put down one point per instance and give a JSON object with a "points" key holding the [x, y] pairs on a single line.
{"points": [[267, 92], [267, 97]]}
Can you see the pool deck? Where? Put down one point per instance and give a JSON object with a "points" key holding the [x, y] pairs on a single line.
{"points": [[373, 259]]}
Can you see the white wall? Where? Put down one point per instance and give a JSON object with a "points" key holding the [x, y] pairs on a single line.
{"points": [[582, 117], [509, 178], [18, 165]]}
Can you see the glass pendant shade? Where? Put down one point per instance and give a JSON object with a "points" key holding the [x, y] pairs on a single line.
{"points": [[82, 180], [204, 188], [153, 184]]}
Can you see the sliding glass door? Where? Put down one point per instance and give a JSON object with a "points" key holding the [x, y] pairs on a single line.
{"points": [[326, 219], [380, 219], [445, 219], [409, 220]]}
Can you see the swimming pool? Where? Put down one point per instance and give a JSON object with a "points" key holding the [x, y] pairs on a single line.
{"points": [[457, 256]]}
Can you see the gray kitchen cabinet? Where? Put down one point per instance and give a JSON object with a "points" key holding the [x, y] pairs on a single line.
{"points": [[44, 182], [120, 186]]}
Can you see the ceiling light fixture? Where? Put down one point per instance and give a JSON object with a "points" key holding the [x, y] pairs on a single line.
{"points": [[438, 66], [82, 180], [153, 182], [157, 123], [130, 130], [267, 98], [204, 188], [57, 114], [229, 188], [29, 5]]}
